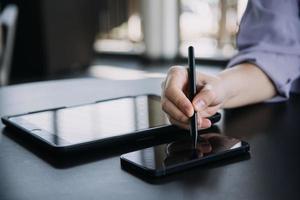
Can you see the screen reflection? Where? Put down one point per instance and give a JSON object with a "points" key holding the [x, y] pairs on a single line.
{"points": [[99, 120], [208, 144], [172, 154]]}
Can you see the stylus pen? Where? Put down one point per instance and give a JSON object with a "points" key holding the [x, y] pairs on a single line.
{"points": [[192, 93]]}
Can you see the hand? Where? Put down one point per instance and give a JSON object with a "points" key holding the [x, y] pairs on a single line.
{"points": [[209, 99]]}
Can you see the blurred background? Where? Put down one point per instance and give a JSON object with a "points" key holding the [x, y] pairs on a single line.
{"points": [[115, 39]]}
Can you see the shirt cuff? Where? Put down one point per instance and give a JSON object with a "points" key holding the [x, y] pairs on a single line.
{"points": [[281, 69]]}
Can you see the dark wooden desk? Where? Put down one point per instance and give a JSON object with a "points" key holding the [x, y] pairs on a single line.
{"points": [[272, 172]]}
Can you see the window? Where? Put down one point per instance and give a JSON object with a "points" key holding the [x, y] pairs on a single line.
{"points": [[209, 25], [120, 28]]}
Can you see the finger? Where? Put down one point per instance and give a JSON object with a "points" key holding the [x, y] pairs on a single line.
{"points": [[179, 72], [209, 111], [204, 98], [202, 123], [174, 93], [206, 123], [177, 97], [180, 124], [173, 111]]}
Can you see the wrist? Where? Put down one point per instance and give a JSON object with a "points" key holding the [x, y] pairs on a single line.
{"points": [[227, 87]]}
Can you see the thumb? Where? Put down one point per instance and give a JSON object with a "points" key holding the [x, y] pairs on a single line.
{"points": [[204, 98]]}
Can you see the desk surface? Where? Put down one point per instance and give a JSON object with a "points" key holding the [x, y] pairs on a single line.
{"points": [[272, 172]]}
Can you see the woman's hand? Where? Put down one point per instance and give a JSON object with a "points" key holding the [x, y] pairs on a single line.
{"points": [[240, 85], [210, 97]]}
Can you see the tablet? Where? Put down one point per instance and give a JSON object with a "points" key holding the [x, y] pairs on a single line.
{"points": [[99, 123], [169, 158]]}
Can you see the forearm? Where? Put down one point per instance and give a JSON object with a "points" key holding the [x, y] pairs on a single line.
{"points": [[245, 84]]}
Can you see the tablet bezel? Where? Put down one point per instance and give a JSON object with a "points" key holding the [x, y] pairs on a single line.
{"points": [[40, 135]]}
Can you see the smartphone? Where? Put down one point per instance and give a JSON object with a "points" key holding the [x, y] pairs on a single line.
{"points": [[180, 155], [98, 124]]}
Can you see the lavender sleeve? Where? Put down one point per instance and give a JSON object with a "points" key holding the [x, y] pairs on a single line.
{"points": [[269, 37]]}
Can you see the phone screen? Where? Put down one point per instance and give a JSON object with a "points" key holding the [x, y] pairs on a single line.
{"points": [[170, 156], [98, 120]]}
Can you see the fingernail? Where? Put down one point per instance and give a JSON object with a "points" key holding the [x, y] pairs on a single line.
{"points": [[200, 105], [189, 110]]}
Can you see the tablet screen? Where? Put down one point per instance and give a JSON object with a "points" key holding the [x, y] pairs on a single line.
{"points": [[99, 120], [177, 153]]}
